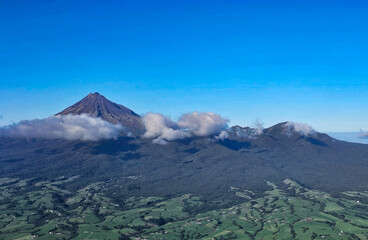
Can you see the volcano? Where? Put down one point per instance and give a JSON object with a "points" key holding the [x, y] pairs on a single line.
{"points": [[205, 166], [96, 105]]}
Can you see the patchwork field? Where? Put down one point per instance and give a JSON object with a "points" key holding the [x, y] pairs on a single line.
{"points": [[43, 210]]}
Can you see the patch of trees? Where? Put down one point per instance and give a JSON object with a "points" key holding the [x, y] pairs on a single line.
{"points": [[124, 237], [160, 221], [292, 231]]}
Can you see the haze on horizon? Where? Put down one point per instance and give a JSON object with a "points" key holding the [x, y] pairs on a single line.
{"points": [[302, 62]]}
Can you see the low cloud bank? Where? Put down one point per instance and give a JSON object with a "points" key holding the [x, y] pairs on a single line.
{"points": [[70, 127], [159, 128], [163, 128], [301, 128]]}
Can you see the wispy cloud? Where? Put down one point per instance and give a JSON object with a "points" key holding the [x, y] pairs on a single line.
{"points": [[258, 127], [363, 134]]}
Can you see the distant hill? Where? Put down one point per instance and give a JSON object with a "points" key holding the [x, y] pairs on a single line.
{"points": [[97, 105]]}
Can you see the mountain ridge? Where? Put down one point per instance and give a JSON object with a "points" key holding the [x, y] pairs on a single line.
{"points": [[198, 165]]}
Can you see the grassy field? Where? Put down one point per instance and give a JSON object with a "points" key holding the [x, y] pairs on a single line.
{"points": [[43, 210]]}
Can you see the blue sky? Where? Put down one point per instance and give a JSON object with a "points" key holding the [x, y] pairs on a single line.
{"points": [[303, 61]]}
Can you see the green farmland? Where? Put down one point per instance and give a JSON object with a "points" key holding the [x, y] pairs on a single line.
{"points": [[32, 209]]}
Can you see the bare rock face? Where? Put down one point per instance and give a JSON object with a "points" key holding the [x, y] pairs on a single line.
{"points": [[98, 106]]}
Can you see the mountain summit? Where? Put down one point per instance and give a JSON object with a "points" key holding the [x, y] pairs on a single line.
{"points": [[96, 105]]}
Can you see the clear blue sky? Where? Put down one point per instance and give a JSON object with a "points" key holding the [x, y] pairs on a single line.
{"points": [[303, 61]]}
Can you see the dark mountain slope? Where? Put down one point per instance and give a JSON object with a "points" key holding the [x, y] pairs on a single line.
{"points": [[97, 105], [202, 166]]}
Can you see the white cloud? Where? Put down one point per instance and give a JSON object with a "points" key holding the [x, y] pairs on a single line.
{"points": [[301, 128], [160, 126], [163, 129], [223, 135], [71, 127], [203, 124]]}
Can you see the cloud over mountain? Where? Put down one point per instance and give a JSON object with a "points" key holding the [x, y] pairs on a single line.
{"points": [[301, 128], [163, 128], [70, 127], [202, 124]]}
